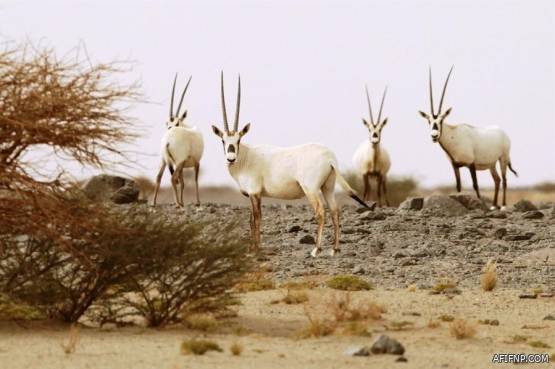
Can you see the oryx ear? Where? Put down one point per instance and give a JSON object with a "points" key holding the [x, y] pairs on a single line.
{"points": [[184, 115], [245, 130], [447, 113], [426, 116], [365, 122], [217, 131], [384, 122]]}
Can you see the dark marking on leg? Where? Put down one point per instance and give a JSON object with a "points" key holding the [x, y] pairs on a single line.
{"points": [[457, 175], [472, 169], [496, 181]]}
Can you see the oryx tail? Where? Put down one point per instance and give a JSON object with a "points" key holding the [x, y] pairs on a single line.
{"points": [[346, 187]]}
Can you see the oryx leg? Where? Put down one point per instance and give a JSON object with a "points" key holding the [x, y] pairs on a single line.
{"points": [[197, 168], [158, 180], [314, 200], [472, 169], [379, 181], [178, 173], [497, 181], [329, 197], [504, 178], [456, 168], [384, 180], [182, 185], [256, 215], [366, 179]]}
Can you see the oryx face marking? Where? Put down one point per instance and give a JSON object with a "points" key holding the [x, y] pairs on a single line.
{"points": [[375, 129], [435, 120]]}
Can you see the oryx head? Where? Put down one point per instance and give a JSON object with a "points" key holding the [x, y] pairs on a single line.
{"points": [[436, 119], [175, 120], [231, 139], [375, 129]]}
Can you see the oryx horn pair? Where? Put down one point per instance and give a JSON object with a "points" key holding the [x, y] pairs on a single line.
{"points": [[442, 93], [236, 123], [370, 107], [172, 116]]}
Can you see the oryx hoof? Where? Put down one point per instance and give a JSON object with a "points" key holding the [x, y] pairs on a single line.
{"points": [[493, 207], [503, 208], [334, 251], [198, 207], [314, 252]]}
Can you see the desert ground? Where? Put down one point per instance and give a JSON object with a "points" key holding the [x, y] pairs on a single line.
{"points": [[403, 253]]}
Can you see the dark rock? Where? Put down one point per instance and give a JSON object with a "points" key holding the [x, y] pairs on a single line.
{"points": [[412, 203], [295, 229], [443, 206], [534, 214], [549, 317], [527, 295], [470, 202], [103, 187], [307, 240], [387, 345], [499, 233], [358, 270], [401, 359], [358, 351], [524, 205], [126, 194]]}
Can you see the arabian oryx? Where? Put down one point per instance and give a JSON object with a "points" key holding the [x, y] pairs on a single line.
{"points": [[478, 148], [371, 159], [282, 173], [182, 147]]}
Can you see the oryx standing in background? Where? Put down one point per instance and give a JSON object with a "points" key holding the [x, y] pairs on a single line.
{"points": [[371, 159], [282, 173], [477, 148], [182, 147]]}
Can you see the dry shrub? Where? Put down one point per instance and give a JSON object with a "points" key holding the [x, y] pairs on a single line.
{"points": [[199, 347], [517, 338], [444, 285], [293, 297], [446, 318], [398, 188], [356, 329], [538, 344], [256, 280], [462, 329], [412, 288], [345, 310], [201, 322], [345, 282], [236, 349], [399, 325], [489, 278], [433, 323], [318, 326]]}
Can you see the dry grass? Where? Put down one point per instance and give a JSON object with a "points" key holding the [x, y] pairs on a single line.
{"points": [[444, 285], [538, 344], [412, 288], [255, 281], [69, 348], [318, 326], [433, 323], [199, 347], [294, 297], [446, 318], [356, 329], [462, 329], [489, 278], [202, 322], [236, 349], [343, 309], [399, 325], [537, 290]]}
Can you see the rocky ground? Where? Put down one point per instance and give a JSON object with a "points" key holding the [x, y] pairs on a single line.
{"points": [[421, 242]]}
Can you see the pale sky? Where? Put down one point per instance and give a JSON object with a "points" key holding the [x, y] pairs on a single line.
{"points": [[304, 65]]}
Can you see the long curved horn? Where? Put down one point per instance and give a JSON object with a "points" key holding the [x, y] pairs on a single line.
{"points": [[236, 123], [444, 88], [431, 93], [223, 104], [369, 106], [381, 106], [182, 96], [173, 92]]}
